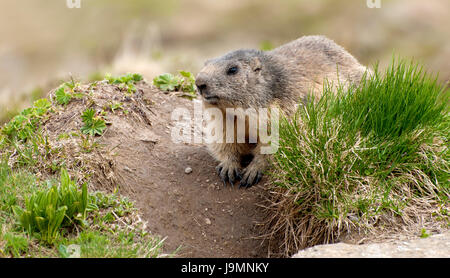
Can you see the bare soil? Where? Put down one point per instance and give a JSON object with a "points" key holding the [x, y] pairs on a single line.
{"points": [[136, 154], [193, 210]]}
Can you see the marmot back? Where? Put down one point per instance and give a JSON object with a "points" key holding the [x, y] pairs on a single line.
{"points": [[284, 76], [311, 60]]}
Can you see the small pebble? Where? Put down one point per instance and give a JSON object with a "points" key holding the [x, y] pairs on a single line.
{"points": [[207, 221], [127, 169], [188, 170]]}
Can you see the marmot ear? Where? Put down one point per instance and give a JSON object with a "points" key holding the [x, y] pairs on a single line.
{"points": [[255, 64]]}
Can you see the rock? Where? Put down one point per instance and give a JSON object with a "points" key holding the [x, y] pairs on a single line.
{"points": [[127, 169], [148, 136], [207, 221], [188, 170], [435, 246]]}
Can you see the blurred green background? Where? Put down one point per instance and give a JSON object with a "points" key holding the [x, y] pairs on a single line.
{"points": [[43, 41]]}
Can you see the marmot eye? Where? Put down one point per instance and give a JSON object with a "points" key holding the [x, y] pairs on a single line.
{"points": [[232, 70]]}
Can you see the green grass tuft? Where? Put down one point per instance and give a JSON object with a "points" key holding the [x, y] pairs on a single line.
{"points": [[50, 209], [126, 81], [359, 153]]}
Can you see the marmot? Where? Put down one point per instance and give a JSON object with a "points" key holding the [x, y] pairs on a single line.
{"points": [[284, 76]]}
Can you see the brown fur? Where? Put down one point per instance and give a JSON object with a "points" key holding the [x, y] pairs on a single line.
{"points": [[282, 77]]}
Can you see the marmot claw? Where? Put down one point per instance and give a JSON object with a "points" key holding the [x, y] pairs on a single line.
{"points": [[250, 178], [228, 174]]}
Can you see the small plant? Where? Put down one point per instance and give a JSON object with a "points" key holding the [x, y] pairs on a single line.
{"points": [[24, 125], [15, 244], [167, 82], [23, 133], [66, 91], [48, 210], [93, 125], [87, 144], [116, 106], [63, 136], [423, 233], [126, 81], [61, 96], [41, 107], [185, 83], [188, 85]]}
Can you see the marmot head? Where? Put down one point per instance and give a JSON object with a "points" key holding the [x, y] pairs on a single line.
{"points": [[237, 79]]}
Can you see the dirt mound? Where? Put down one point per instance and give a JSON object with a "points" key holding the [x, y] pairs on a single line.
{"points": [[136, 156]]}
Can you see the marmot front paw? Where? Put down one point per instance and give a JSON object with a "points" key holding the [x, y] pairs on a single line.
{"points": [[228, 172], [252, 175]]}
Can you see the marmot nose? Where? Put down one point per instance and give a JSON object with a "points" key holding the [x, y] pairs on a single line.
{"points": [[201, 86]]}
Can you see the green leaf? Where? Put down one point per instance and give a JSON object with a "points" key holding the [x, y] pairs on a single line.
{"points": [[424, 234], [84, 199], [125, 82], [137, 77], [88, 115], [50, 209], [98, 126], [18, 211], [95, 127], [185, 82], [61, 96], [187, 74], [65, 179], [167, 82], [41, 106]]}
